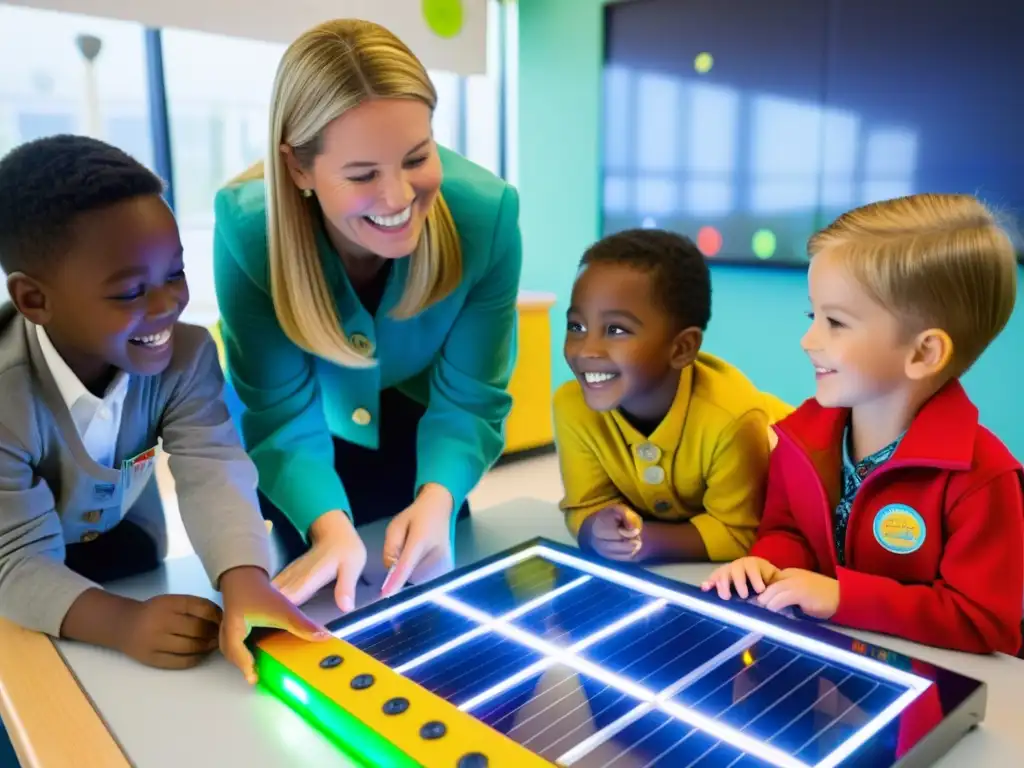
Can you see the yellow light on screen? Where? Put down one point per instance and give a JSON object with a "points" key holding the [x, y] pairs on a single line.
{"points": [[703, 62]]}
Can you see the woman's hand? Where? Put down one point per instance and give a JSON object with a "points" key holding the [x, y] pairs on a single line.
{"points": [[419, 537], [337, 553]]}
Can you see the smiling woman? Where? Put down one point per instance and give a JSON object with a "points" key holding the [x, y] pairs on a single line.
{"points": [[367, 281]]}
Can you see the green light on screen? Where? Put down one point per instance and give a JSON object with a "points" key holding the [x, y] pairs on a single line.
{"points": [[360, 742], [703, 62], [763, 243]]}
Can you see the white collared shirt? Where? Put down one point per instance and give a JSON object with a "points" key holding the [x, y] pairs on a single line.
{"points": [[98, 420]]}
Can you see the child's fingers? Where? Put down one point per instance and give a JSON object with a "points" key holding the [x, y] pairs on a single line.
{"points": [[630, 522], [232, 644], [778, 596], [713, 578], [753, 571], [738, 577], [608, 536], [618, 549]]}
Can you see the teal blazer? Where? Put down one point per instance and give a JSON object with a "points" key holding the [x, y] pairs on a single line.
{"points": [[455, 358]]}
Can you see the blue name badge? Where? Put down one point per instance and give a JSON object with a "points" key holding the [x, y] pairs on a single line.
{"points": [[899, 529]]}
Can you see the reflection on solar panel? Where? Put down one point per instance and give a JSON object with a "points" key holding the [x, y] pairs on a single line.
{"points": [[542, 656]]}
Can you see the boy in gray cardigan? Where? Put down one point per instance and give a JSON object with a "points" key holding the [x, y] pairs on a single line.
{"points": [[94, 371]]}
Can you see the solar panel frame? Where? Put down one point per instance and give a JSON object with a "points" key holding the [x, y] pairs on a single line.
{"points": [[961, 700]]}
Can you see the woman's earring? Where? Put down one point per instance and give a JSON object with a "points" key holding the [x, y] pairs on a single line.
{"points": [[307, 193]]}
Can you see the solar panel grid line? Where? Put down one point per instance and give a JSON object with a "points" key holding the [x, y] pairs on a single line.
{"points": [[527, 673], [724, 733], [408, 639], [597, 739], [617, 626], [485, 628], [607, 733], [572, 687], [774, 704], [861, 737], [669, 749], [550, 658], [426, 597], [545, 648], [730, 735], [810, 708], [553, 705], [495, 658], [853, 704], [788, 637]]}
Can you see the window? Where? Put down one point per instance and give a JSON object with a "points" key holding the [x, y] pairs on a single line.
{"points": [[48, 87], [218, 101]]}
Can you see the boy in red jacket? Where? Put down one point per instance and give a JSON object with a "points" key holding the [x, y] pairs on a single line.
{"points": [[889, 508]]}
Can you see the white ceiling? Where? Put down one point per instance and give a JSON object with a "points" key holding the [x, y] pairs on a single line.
{"points": [[283, 20]]}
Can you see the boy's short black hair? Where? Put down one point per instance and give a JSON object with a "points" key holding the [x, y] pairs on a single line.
{"points": [[46, 183], [681, 278]]}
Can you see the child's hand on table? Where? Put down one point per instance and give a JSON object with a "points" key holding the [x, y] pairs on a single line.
{"points": [[613, 532], [170, 631], [756, 571], [814, 594], [250, 600]]}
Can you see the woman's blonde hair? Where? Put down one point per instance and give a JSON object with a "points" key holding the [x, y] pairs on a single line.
{"points": [[934, 260], [327, 71]]}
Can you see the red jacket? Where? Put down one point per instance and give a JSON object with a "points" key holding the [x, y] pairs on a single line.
{"points": [[960, 585]]}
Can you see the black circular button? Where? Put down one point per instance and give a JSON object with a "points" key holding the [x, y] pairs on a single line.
{"points": [[330, 662], [435, 729], [473, 760], [362, 682], [396, 706]]}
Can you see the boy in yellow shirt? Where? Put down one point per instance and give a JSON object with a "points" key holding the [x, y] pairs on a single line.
{"points": [[663, 448]]}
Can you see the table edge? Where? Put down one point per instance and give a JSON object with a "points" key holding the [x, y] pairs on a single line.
{"points": [[32, 672]]}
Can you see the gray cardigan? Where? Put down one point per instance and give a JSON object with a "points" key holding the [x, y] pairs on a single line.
{"points": [[52, 492]]}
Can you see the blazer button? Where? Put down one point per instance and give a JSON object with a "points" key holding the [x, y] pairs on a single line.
{"points": [[649, 452], [361, 416], [654, 475], [90, 536], [361, 343], [92, 516]]}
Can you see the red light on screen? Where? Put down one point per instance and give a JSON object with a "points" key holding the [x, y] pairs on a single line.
{"points": [[709, 240]]}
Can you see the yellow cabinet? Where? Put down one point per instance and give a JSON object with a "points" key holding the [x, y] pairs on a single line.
{"points": [[529, 425]]}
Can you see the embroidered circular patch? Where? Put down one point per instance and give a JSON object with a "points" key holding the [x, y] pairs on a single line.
{"points": [[899, 529]]}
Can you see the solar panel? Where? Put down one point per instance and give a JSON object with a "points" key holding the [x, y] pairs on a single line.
{"points": [[541, 655]]}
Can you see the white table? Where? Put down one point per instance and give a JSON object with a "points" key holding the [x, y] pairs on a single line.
{"points": [[210, 717]]}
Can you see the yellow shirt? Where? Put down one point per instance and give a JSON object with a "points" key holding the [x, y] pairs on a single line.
{"points": [[706, 463]]}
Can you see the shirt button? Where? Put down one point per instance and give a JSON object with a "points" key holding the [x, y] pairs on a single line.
{"points": [[92, 516], [654, 475], [361, 416], [360, 342], [649, 452], [104, 413], [90, 536]]}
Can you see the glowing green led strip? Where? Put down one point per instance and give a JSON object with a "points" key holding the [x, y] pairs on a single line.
{"points": [[360, 742]]}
